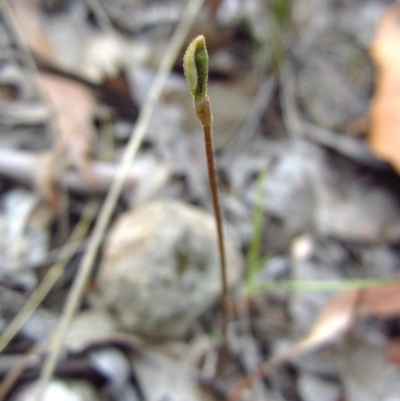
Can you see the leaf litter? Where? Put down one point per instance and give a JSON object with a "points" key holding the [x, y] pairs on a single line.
{"points": [[349, 213]]}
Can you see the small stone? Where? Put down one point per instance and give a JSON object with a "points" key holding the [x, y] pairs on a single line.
{"points": [[161, 269]]}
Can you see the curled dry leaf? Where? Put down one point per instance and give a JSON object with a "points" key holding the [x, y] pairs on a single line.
{"points": [[384, 134], [335, 319]]}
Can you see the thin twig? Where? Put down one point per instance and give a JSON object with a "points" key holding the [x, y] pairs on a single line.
{"points": [[52, 276], [17, 369], [22, 166]]}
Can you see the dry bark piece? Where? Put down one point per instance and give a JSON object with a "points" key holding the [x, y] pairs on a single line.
{"points": [[384, 138], [161, 268]]}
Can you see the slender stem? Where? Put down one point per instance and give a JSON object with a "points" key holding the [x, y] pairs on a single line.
{"points": [[212, 177], [104, 217]]}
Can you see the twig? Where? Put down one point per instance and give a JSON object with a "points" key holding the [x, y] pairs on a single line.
{"points": [[21, 166], [52, 276], [16, 370]]}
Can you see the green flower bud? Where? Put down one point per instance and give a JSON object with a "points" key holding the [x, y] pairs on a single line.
{"points": [[195, 67]]}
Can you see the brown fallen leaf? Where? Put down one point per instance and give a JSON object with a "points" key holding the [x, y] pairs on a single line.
{"points": [[71, 103], [72, 107], [384, 133], [332, 323], [381, 302]]}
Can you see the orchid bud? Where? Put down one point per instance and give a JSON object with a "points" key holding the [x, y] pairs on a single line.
{"points": [[195, 67]]}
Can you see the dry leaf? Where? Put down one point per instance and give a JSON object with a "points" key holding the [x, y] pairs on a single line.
{"points": [[73, 108], [382, 301], [334, 320], [384, 135]]}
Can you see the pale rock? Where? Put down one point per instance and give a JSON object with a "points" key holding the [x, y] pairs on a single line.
{"points": [[160, 269]]}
